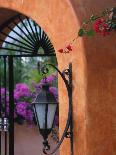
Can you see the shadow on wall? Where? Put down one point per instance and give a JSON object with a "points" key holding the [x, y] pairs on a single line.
{"points": [[100, 53]]}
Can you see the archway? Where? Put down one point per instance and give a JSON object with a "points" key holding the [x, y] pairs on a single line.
{"points": [[20, 38], [61, 28]]}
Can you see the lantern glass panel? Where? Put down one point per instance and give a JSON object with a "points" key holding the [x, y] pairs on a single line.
{"points": [[40, 111], [50, 115]]}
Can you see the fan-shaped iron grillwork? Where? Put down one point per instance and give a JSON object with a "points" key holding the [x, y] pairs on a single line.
{"points": [[21, 35]]}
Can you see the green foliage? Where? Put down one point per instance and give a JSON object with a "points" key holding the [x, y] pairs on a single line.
{"points": [[35, 76], [81, 32], [114, 26], [92, 18], [90, 32]]}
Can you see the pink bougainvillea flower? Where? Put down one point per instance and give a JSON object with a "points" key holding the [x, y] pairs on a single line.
{"points": [[17, 95], [54, 90], [61, 50], [69, 47], [21, 90], [101, 27], [49, 79]]}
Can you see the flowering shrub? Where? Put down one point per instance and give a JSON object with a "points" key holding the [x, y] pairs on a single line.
{"points": [[21, 91], [22, 110], [23, 99], [54, 90]]}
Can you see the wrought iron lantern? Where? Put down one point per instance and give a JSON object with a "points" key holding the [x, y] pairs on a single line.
{"points": [[45, 106]]}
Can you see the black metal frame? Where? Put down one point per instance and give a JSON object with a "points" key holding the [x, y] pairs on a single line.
{"points": [[68, 131], [30, 39], [43, 132], [11, 105], [7, 121]]}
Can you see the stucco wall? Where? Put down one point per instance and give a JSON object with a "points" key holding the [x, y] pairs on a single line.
{"points": [[94, 71], [100, 53]]}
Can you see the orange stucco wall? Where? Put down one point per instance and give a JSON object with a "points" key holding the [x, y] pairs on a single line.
{"points": [[94, 71]]}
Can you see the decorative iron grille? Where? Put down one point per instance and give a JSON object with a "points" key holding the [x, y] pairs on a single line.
{"points": [[21, 35]]}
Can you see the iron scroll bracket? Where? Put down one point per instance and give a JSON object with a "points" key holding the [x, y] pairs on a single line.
{"points": [[66, 75]]}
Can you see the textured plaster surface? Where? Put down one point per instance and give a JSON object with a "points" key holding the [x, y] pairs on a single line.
{"points": [[94, 71]]}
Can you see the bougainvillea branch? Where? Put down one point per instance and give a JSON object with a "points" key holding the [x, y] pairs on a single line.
{"points": [[69, 47], [103, 23]]}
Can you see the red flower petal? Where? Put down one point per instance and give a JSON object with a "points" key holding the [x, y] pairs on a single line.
{"points": [[61, 50], [69, 47], [100, 26]]}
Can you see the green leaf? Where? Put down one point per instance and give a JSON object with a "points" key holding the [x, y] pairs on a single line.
{"points": [[90, 32], [92, 18], [114, 26], [81, 32]]}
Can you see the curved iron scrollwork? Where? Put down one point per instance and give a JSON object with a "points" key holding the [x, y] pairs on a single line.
{"points": [[68, 131], [25, 37]]}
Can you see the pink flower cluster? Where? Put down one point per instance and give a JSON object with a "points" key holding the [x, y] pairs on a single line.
{"points": [[22, 110], [21, 90], [100, 26], [22, 96], [49, 79]]}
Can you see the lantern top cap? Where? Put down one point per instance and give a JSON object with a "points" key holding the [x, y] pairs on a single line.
{"points": [[45, 96], [45, 86]]}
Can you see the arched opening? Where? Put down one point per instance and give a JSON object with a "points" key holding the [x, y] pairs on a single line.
{"points": [[61, 28], [29, 47]]}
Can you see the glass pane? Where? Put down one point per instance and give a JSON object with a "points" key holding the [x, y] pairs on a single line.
{"points": [[40, 109], [51, 113]]}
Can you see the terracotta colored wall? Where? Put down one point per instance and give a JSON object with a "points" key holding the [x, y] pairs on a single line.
{"points": [[100, 53], [94, 71]]}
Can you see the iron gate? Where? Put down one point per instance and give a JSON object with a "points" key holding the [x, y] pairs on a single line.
{"points": [[7, 120]]}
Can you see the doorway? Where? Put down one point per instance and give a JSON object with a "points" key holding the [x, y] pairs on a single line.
{"points": [[24, 48]]}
